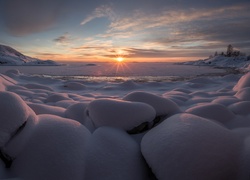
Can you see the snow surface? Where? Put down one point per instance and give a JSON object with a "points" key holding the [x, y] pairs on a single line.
{"points": [[78, 129], [240, 62], [120, 114]]}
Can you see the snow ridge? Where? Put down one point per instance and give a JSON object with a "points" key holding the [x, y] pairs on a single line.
{"points": [[10, 56], [239, 62]]}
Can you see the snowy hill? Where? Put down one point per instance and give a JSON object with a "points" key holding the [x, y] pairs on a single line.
{"points": [[239, 62], [10, 56]]}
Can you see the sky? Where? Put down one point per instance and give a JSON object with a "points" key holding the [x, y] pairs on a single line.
{"points": [[137, 30]]}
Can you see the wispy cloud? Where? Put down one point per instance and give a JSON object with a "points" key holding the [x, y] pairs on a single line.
{"points": [[102, 11], [190, 29], [64, 39], [140, 20]]}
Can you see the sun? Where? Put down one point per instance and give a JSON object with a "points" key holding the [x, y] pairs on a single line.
{"points": [[119, 59]]}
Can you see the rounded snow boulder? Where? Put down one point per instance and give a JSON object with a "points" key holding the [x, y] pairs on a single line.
{"points": [[189, 147], [38, 86], [56, 150], [240, 108], [47, 109], [120, 114], [212, 111], [243, 94], [12, 72], [245, 159], [129, 85], [161, 105], [225, 101], [182, 96], [243, 82], [77, 112], [74, 86], [57, 97], [5, 82], [112, 155], [14, 113]]}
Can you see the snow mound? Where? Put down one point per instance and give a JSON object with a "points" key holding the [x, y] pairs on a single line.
{"points": [[161, 105], [129, 85], [14, 113], [65, 103], [47, 109], [112, 155], [225, 101], [245, 159], [212, 111], [57, 97], [77, 112], [56, 150], [120, 114], [75, 86], [38, 86], [240, 108], [243, 94], [6, 81], [13, 73], [177, 96], [189, 147], [243, 82], [202, 80]]}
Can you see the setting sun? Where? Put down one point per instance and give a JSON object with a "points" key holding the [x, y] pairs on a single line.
{"points": [[119, 59]]}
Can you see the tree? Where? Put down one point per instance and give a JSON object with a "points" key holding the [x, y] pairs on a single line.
{"points": [[236, 53], [230, 50]]}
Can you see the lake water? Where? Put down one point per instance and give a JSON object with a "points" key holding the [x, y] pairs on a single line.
{"points": [[118, 71]]}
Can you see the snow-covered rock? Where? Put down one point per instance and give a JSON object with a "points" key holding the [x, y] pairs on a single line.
{"points": [[57, 149], [112, 155], [6, 81], [14, 113], [212, 111], [57, 97], [240, 108], [225, 101], [243, 82], [161, 105], [47, 109], [119, 113], [243, 94], [74, 86], [189, 147], [37, 86], [77, 112]]}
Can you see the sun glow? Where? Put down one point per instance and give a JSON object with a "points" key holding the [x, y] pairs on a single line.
{"points": [[119, 59]]}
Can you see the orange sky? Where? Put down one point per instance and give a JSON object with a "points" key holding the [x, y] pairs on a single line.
{"points": [[141, 31]]}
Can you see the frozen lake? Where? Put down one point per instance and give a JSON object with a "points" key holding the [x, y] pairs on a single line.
{"points": [[122, 71]]}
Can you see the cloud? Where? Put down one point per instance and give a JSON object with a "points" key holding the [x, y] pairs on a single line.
{"points": [[186, 29], [102, 11], [25, 17], [140, 20], [64, 39]]}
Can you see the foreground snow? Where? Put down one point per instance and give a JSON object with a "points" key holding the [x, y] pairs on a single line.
{"points": [[56, 129]]}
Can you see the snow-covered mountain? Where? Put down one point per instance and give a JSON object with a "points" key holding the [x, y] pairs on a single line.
{"points": [[10, 56], [239, 62]]}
